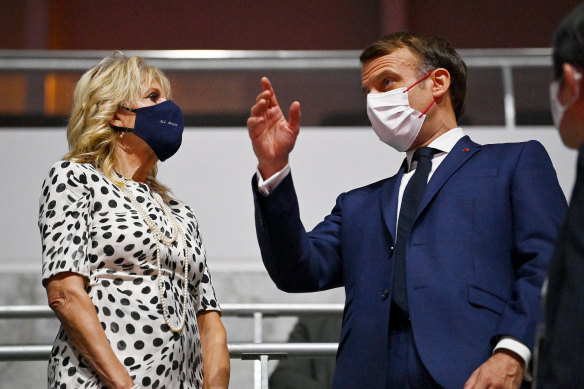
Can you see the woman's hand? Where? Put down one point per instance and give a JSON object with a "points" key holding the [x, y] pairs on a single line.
{"points": [[74, 308], [272, 136], [215, 353]]}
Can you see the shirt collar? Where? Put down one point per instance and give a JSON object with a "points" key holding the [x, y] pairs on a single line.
{"points": [[444, 143]]}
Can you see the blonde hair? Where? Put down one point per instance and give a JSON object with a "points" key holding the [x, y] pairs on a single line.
{"points": [[115, 81]]}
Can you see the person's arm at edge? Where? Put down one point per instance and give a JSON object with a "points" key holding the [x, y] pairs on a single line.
{"points": [[68, 298], [216, 363]]}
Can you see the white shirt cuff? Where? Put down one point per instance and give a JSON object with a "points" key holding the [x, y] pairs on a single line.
{"points": [[518, 348], [271, 183]]}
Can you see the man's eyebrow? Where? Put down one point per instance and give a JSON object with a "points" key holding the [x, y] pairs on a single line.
{"points": [[376, 77]]}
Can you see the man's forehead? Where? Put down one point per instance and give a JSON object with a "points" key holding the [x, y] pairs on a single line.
{"points": [[398, 60]]}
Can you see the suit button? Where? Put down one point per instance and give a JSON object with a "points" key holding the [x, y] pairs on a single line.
{"points": [[384, 294], [391, 251]]}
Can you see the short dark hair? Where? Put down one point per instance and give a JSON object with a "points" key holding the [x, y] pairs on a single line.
{"points": [[568, 41], [433, 53]]}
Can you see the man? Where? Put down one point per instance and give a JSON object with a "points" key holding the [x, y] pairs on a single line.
{"points": [[561, 360], [442, 280]]}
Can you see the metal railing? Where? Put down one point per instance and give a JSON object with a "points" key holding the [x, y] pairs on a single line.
{"points": [[243, 60], [257, 351]]}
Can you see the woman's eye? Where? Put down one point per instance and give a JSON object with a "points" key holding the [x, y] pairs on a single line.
{"points": [[153, 96]]}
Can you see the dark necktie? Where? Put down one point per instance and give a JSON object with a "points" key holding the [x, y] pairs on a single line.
{"points": [[409, 208]]}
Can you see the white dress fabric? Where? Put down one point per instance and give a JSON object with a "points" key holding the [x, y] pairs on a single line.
{"points": [[90, 228]]}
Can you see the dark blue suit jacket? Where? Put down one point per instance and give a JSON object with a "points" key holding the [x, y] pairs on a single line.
{"points": [[476, 258]]}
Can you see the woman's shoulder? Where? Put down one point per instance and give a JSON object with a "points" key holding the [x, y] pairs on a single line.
{"points": [[71, 169], [68, 176], [182, 208]]}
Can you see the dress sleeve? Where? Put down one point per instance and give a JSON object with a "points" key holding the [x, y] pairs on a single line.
{"points": [[64, 220], [206, 299], [203, 291]]}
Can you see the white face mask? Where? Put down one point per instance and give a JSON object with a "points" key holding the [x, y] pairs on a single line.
{"points": [[394, 121], [557, 108]]}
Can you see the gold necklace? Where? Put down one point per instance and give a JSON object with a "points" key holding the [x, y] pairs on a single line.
{"points": [[160, 237]]}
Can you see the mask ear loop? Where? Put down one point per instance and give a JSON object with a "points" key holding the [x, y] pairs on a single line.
{"points": [[420, 80], [129, 109], [416, 83], [426, 110], [123, 130]]}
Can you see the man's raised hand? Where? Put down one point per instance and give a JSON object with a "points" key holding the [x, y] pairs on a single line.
{"points": [[272, 136]]}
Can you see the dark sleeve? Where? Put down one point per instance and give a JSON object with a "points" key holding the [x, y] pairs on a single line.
{"points": [[538, 208], [561, 360], [297, 261]]}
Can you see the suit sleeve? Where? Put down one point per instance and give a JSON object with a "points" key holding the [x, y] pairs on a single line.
{"points": [[297, 261], [538, 207]]}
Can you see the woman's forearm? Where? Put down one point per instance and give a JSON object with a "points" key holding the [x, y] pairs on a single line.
{"points": [[75, 310], [216, 364]]}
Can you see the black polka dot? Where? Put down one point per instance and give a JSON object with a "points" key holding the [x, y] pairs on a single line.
{"points": [[114, 327]]}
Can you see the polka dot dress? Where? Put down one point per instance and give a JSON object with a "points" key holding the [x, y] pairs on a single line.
{"points": [[90, 228]]}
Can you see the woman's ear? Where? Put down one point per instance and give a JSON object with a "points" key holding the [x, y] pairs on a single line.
{"points": [[440, 82], [117, 120], [123, 118]]}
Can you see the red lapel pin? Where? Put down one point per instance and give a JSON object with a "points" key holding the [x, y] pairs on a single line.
{"points": [[465, 149]]}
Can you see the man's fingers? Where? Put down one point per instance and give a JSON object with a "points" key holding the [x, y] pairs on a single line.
{"points": [[253, 123], [295, 115], [265, 95], [259, 108], [471, 381], [267, 86]]}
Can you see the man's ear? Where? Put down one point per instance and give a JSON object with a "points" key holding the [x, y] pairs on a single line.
{"points": [[571, 80], [440, 82]]}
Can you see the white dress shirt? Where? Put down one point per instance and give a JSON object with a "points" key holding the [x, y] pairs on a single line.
{"points": [[444, 143]]}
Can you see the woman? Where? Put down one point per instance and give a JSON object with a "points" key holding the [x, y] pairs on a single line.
{"points": [[123, 263]]}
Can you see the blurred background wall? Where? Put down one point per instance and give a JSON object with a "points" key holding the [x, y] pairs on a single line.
{"points": [[272, 25]]}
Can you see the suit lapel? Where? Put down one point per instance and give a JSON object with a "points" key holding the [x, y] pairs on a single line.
{"points": [[460, 153], [389, 195]]}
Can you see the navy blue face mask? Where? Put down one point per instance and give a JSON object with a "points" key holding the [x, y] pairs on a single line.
{"points": [[160, 126]]}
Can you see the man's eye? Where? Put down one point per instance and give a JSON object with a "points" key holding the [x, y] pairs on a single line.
{"points": [[386, 82]]}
